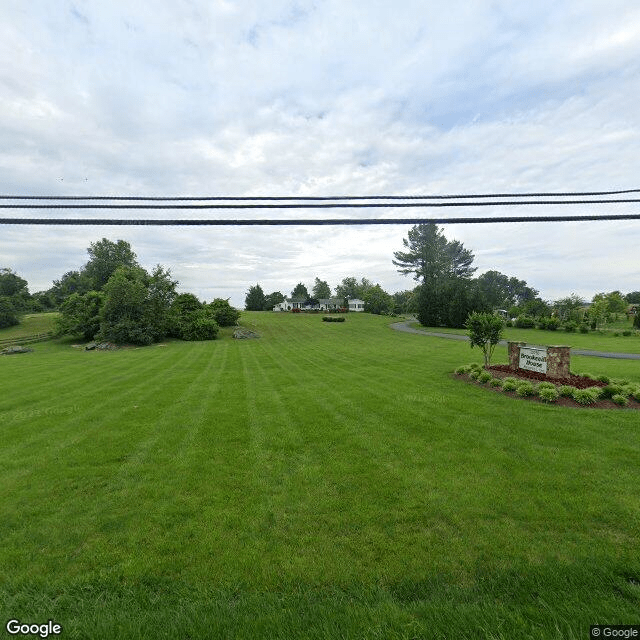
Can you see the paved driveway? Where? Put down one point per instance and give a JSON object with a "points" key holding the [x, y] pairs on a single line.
{"points": [[404, 326]]}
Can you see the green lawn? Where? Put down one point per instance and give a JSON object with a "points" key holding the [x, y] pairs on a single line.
{"points": [[593, 340], [30, 324], [329, 480]]}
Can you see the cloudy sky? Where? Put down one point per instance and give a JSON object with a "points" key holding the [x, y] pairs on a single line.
{"points": [[324, 98]]}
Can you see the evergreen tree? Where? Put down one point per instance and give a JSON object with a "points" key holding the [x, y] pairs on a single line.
{"points": [[255, 299], [321, 289], [300, 291]]}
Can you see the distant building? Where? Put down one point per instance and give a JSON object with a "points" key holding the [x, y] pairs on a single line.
{"points": [[323, 304]]}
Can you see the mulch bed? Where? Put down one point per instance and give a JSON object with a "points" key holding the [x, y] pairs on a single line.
{"points": [[580, 382]]}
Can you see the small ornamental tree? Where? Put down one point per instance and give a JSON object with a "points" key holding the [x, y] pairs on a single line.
{"points": [[485, 331]]}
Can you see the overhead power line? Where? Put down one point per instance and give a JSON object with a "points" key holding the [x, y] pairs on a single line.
{"points": [[308, 222], [575, 194]]}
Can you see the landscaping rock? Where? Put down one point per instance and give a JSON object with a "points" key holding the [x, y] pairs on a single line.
{"points": [[244, 334], [91, 346], [17, 349]]}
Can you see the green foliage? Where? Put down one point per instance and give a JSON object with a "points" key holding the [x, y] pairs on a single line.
{"points": [[350, 288], [509, 384], [223, 313], [566, 390], [272, 299], [71, 282], [548, 323], [569, 308], [377, 301], [525, 389], [502, 292], [548, 394], [333, 318], [636, 395], [105, 256], [603, 378], [8, 314], [199, 324], [584, 396], [495, 382], [448, 303], [525, 322], [570, 326], [636, 319], [80, 315], [485, 331], [255, 299], [484, 376], [431, 257], [584, 328], [620, 399], [611, 390], [321, 289], [474, 373], [462, 370], [545, 385], [300, 291]]}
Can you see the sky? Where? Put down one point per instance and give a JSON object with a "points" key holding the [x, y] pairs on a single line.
{"points": [[323, 98]]}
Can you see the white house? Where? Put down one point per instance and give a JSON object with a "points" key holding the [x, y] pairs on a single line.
{"points": [[324, 304]]}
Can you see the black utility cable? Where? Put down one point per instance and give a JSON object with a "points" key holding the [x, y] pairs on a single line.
{"points": [[372, 205], [325, 198], [311, 222]]}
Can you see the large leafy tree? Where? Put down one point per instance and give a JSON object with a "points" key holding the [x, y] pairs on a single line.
{"points": [[300, 291], [378, 301], [431, 258], [15, 288], [105, 256], [80, 314], [321, 289], [225, 315], [71, 282], [8, 313], [255, 299], [272, 299], [350, 288]]}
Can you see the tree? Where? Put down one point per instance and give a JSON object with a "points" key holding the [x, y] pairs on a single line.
{"points": [[224, 314], [80, 314], [569, 308], [8, 314], [615, 302], [192, 320], [350, 288], [321, 289], [431, 257], [378, 301], [15, 288], [272, 299], [161, 292], [105, 257], [71, 282], [404, 301], [597, 311], [485, 331], [255, 299], [300, 291], [633, 297]]}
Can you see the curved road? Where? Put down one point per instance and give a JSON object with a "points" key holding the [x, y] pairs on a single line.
{"points": [[404, 326]]}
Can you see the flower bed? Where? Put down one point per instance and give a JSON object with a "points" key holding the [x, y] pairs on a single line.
{"points": [[579, 382]]}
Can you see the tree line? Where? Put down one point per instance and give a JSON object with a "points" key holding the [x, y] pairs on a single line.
{"points": [[112, 298]]}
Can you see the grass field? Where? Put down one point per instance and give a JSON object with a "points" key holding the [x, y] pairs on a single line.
{"points": [[325, 481], [30, 324]]}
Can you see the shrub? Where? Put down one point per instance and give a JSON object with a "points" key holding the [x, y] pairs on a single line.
{"points": [[619, 399], [603, 378], [474, 374], [483, 377], [333, 318], [460, 371], [636, 395], [485, 331], [570, 327], [611, 390], [475, 365], [495, 382], [627, 333], [525, 322], [8, 313], [596, 392], [584, 328], [548, 395], [629, 390], [223, 313], [509, 385], [546, 385], [566, 390], [549, 323], [525, 389], [584, 396]]}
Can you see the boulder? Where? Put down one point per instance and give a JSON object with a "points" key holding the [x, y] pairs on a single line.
{"points": [[243, 334], [16, 349]]}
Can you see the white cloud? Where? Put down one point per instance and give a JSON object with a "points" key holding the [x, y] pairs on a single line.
{"points": [[322, 98]]}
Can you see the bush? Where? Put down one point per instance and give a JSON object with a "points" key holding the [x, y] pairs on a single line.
{"points": [[636, 395], [460, 371], [198, 325], [605, 379], [548, 395], [619, 399], [485, 376], [611, 390], [525, 389], [485, 331], [525, 322], [474, 374], [596, 392], [495, 382], [627, 333], [549, 323], [584, 328], [333, 318], [566, 391], [476, 365], [571, 326], [223, 313], [509, 384], [8, 314], [584, 396]]}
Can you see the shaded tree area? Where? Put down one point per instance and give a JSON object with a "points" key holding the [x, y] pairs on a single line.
{"points": [[255, 299]]}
